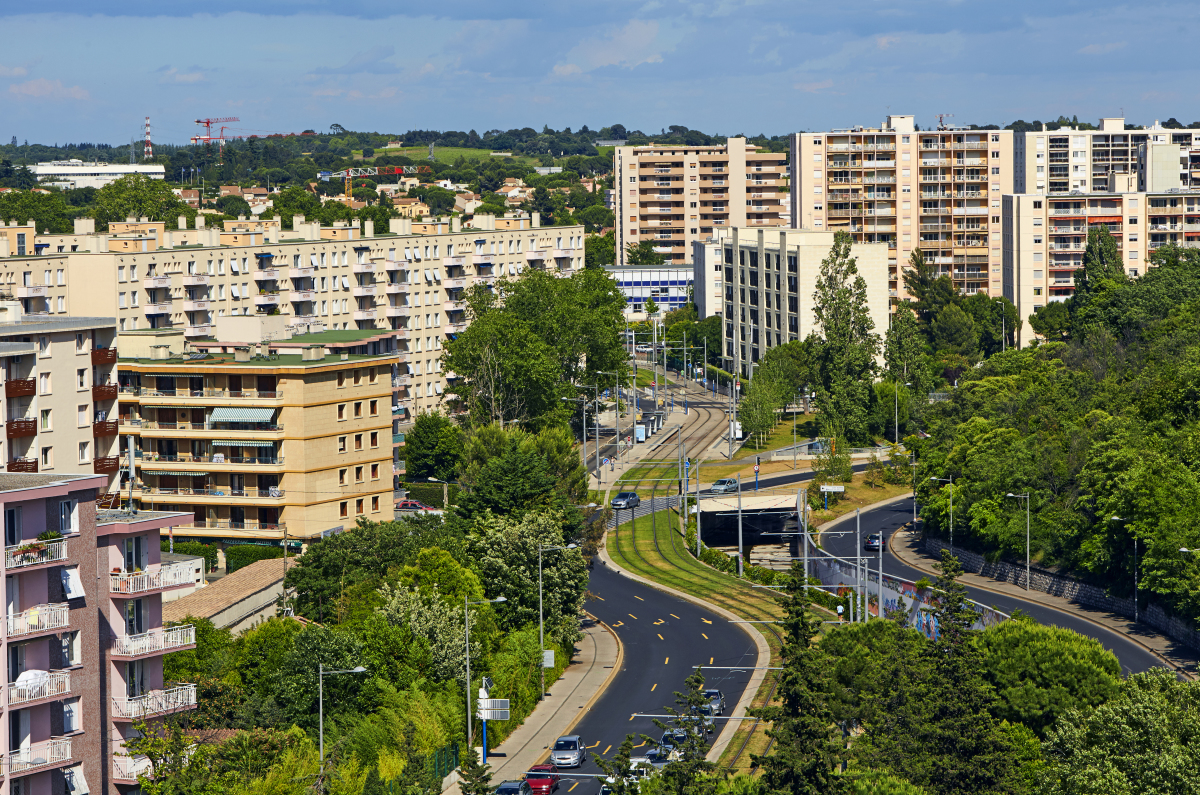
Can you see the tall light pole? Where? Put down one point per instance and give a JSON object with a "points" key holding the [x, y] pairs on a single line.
{"points": [[949, 480], [541, 617], [321, 674], [583, 412], [1026, 498], [617, 417], [467, 633]]}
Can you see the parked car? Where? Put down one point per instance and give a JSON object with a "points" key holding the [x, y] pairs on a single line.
{"points": [[724, 486], [644, 348], [568, 751], [673, 738], [413, 505], [514, 788], [873, 541], [717, 699], [626, 499], [707, 711], [658, 758], [542, 779]]}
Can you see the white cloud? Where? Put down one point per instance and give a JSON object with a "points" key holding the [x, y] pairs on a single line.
{"points": [[169, 74], [41, 88], [1101, 49], [12, 71], [813, 88], [639, 42]]}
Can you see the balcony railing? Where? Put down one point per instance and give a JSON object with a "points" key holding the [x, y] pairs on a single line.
{"points": [[40, 618], [266, 274], [154, 642], [35, 553], [23, 465], [216, 491], [20, 387], [195, 280], [105, 465], [54, 684], [198, 330], [15, 429], [251, 394], [224, 427], [104, 356], [104, 392], [128, 768], [158, 459], [47, 753], [221, 524], [104, 428], [156, 702], [169, 575]]}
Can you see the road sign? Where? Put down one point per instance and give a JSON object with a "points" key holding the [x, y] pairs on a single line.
{"points": [[687, 464], [548, 658], [756, 469], [493, 709], [492, 714], [833, 488]]}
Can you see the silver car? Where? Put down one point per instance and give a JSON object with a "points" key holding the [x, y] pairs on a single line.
{"points": [[716, 700], [724, 486], [626, 499], [568, 751]]}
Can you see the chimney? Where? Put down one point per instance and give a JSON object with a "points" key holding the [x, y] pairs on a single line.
{"points": [[345, 356], [199, 221], [241, 354], [455, 224], [160, 352], [181, 222], [144, 220], [297, 220], [241, 218], [535, 220], [368, 228], [85, 226]]}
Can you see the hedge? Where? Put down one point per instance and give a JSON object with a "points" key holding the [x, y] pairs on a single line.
{"points": [[239, 556], [429, 493], [207, 551]]}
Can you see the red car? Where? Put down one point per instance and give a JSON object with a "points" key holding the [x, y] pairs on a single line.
{"points": [[543, 779], [413, 505]]}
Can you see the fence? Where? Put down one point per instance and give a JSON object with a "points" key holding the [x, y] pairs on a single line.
{"points": [[438, 765]]}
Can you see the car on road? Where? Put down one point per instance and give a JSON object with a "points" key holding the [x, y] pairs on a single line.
{"points": [[658, 758], [413, 505], [626, 499], [717, 699], [673, 738], [724, 486], [568, 751], [542, 779], [707, 712], [514, 788], [873, 542], [644, 348]]}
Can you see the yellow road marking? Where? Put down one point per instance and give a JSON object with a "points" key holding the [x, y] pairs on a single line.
{"points": [[618, 624], [666, 661], [710, 659], [606, 749], [593, 745], [706, 638], [601, 598], [639, 745], [640, 599], [672, 615], [706, 621], [653, 686], [660, 637], [573, 786], [660, 621], [631, 615]]}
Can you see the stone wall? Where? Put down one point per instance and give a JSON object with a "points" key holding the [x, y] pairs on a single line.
{"points": [[1152, 615]]}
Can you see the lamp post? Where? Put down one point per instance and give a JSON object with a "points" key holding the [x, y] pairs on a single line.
{"points": [[467, 633], [617, 413], [1135, 568], [1026, 498], [949, 480], [541, 618], [321, 674]]}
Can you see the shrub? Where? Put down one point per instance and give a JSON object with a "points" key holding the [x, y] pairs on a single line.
{"points": [[241, 555], [207, 551], [430, 493]]}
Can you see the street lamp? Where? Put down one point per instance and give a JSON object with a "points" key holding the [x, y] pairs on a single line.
{"points": [[1135, 567], [467, 633], [445, 492], [1026, 498], [541, 619], [617, 411], [949, 480], [321, 674]]}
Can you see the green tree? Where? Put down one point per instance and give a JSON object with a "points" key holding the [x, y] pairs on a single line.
{"points": [[651, 307], [691, 774], [643, 255], [433, 447], [954, 332], [475, 778], [930, 291], [599, 250], [1052, 321], [1101, 261], [139, 196], [47, 211], [595, 218], [233, 206]]}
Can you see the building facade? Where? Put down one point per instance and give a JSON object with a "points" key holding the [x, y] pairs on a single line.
{"points": [[673, 196], [80, 174], [937, 190], [769, 280], [669, 288]]}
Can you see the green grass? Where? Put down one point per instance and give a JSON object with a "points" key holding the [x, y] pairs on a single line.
{"points": [[781, 435], [645, 377], [448, 154]]}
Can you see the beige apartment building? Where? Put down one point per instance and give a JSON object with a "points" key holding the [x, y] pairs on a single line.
{"points": [[285, 436], [769, 277], [409, 281], [674, 196], [938, 190]]}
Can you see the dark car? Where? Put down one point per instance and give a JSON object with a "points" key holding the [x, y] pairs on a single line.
{"points": [[673, 738], [514, 788], [626, 499], [413, 505], [542, 779], [873, 541]]}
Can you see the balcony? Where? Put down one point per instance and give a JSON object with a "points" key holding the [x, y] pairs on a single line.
{"points": [[451, 262], [195, 280], [195, 305], [20, 387], [362, 267], [104, 428], [266, 274], [156, 282], [35, 553], [455, 283], [23, 465], [395, 288], [31, 292], [38, 620], [214, 491], [15, 429], [400, 381], [297, 296], [156, 702], [266, 299], [105, 465], [39, 756], [364, 314], [535, 256], [104, 392], [393, 310], [562, 253], [49, 686], [104, 356], [198, 330], [154, 642], [157, 309], [456, 328], [301, 273], [126, 769], [363, 291], [275, 530], [391, 265], [454, 306]]}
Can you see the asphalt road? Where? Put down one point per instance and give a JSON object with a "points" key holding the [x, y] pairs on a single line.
{"points": [[1133, 657], [663, 638]]}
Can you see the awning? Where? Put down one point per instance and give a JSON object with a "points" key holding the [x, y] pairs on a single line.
{"points": [[180, 474], [247, 443], [183, 408], [264, 255], [241, 415], [362, 248]]}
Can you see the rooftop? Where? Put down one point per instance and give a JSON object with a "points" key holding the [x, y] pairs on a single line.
{"points": [[203, 361], [15, 481], [221, 594], [118, 516], [24, 327]]}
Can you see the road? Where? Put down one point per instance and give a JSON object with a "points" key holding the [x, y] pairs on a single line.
{"points": [[663, 638], [1133, 657]]}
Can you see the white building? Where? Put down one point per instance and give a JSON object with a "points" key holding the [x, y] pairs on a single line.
{"points": [[78, 174], [668, 286]]}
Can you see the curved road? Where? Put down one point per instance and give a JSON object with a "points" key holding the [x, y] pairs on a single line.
{"points": [[1133, 657]]}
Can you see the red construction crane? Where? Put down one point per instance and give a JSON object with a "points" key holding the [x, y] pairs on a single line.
{"points": [[371, 171], [208, 137]]}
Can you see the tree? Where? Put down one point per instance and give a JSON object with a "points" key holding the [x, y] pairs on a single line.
{"points": [[433, 447], [233, 206], [643, 255], [139, 196], [802, 760], [954, 332], [1101, 260], [595, 218], [756, 411], [47, 211], [930, 290], [903, 344], [651, 307], [996, 321], [691, 773], [474, 778], [1052, 321], [599, 250]]}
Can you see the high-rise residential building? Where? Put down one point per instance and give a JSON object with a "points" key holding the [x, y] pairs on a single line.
{"points": [[769, 277], [60, 376], [84, 639], [673, 196], [938, 190], [409, 281], [277, 438]]}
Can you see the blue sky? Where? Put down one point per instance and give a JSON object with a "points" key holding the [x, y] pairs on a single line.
{"points": [[93, 70]]}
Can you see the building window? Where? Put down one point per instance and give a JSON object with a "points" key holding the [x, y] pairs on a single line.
{"points": [[372, 374], [83, 452], [341, 412], [44, 347], [80, 345], [374, 471], [341, 379], [357, 409], [358, 507], [374, 438], [343, 509], [71, 650], [358, 441], [47, 456], [72, 720], [357, 377], [44, 383], [341, 477], [374, 408], [341, 444], [375, 504], [45, 425], [83, 416], [81, 378], [358, 474]]}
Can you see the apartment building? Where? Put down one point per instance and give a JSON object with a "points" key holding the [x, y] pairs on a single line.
{"points": [[938, 190], [85, 174], [409, 281], [84, 638], [669, 287], [769, 280], [285, 438], [676, 195], [59, 393]]}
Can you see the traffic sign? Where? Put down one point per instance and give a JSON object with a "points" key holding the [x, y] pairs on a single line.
{"points": [[687, 464], [493, 709], [756, 469], [833, 488], [492, 714]]}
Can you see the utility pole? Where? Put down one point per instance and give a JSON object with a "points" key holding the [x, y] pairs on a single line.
{"points": [[739, 489], [804, 534]]}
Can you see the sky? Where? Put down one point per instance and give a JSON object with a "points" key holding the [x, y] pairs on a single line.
{"points": [[93, 70]]}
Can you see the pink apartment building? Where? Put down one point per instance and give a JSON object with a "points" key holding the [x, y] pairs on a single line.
{"points": [[83, 639]]}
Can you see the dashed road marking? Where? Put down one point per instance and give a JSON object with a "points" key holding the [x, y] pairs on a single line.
{"points": [[607, 749], [660, 637], [706, 638], [631, 615], [653, 686], [573, 786], [706, 621], [667, 661], [618, 624], [640, 599], [710, 660], [672, 615]]}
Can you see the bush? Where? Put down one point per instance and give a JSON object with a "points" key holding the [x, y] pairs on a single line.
{"points": [[368, 152], [241, 555], [430, 493], [207, 551]]}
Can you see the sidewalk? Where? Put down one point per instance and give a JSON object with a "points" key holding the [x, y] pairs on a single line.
{"points": [[598, 660], [905, 545]]}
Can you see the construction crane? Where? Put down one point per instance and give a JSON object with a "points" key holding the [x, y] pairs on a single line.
{"points": [[349, 173], [208, 137]]}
